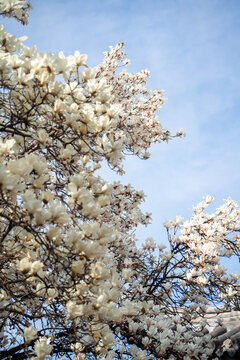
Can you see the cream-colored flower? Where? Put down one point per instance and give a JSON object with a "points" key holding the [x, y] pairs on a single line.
{"points": [[30, 333], [42, 347]]}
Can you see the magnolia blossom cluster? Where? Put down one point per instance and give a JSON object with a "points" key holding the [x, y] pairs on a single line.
{"points": [[16, 8], [74, 284]]}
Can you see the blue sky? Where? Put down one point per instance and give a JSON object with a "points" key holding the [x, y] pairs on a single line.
{"points": [[192, 50]]}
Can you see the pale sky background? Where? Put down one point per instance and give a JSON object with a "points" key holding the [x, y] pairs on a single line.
{"points": [[192, 49]]}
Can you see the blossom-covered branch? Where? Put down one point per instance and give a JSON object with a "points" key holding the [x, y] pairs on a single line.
{"points": [[73, 282]]}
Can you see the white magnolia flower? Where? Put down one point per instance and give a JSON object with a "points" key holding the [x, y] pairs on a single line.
{"points": [[30, 333], [42, 347], [6, 147]]}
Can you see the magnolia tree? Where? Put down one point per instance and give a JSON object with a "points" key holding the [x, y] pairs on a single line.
{"points": [[74, 284]]}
